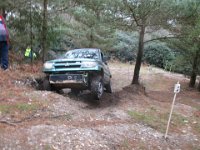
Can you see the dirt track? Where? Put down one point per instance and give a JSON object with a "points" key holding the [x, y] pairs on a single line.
{"points": [[130, 118]]}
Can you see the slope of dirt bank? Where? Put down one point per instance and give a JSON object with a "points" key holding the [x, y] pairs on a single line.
{"points": [[133, 117]]}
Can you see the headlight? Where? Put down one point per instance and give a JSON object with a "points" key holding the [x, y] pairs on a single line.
{"points": [[88, 64], [48, 65]]}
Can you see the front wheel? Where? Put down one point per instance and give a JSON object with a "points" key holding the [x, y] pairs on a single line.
{"points": [[46, 85], [97, 87]]}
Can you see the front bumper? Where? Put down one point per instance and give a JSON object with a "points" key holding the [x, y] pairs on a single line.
{"points": [[69, 80]]}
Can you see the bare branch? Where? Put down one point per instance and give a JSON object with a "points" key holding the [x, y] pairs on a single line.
{"points": [[164, 38], [7, 122], [132, 11]]}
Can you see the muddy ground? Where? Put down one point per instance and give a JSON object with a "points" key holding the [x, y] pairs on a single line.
{"points": [[132, 117]]}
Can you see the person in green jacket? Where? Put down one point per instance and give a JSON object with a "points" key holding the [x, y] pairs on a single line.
{"points": [[28, 54]]}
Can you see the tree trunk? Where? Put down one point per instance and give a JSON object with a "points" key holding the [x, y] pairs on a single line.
{"points": [[198, 86], [194, 71], [91, 38], [192, 79], [44, 30], [3, 12], [139, 56], [31, 32]]}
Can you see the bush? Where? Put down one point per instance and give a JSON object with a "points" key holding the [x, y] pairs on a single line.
{"points": [[181, 65], [159, 54], [125, 46]]}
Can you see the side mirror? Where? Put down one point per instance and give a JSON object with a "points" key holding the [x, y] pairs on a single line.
{"points": [[105, 59]]}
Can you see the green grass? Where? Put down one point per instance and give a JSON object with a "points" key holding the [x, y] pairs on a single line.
{"points": [[197, 127], [5, 109], [22, 107], [157, 120], [26, 107], [126, 145], [48, 147]]}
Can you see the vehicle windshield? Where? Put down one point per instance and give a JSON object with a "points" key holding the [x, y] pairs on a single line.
{"points": [[82, 53]]}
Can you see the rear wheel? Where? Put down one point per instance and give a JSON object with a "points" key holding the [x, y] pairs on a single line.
{"points": [[75, 91], [108, 88], [97, 87]]}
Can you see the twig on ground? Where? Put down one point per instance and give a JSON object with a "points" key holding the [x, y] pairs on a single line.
{"points": [[7, 122]]}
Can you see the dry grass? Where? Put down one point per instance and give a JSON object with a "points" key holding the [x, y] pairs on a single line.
{"points": [[11, 80], [13, 96]]}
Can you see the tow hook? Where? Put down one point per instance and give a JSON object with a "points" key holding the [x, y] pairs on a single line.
{"points": [[85, 78]]}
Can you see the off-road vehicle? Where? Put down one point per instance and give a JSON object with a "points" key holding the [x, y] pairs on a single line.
{"points": [[79, 69]]}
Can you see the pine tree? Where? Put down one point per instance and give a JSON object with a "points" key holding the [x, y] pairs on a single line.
{"points": [[188, 25], [140, 16], [91, 28]]}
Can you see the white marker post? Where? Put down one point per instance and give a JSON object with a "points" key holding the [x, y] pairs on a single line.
{"points": [[177, 88]]}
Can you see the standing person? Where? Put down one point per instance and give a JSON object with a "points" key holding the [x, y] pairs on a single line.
{"points": [[28, 54], [4, 43]]}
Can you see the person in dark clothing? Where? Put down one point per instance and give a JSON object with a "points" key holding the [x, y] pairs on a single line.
{"points": [[4, 43]]}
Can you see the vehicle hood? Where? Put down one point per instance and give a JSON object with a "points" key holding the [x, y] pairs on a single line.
{"points": [[71, 60]]}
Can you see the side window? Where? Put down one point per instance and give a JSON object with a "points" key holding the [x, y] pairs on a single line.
{"points": [[102, 57]]}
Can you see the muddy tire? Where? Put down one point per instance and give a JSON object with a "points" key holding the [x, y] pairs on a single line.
{"points": [[46, 85], [75, 91], [97, 87], [108, 88]]}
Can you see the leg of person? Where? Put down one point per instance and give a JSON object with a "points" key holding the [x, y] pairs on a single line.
{"points": [[4, 56], [0, 52]]}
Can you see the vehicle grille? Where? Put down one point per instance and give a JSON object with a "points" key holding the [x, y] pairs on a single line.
{"points": [[67, 66]]}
